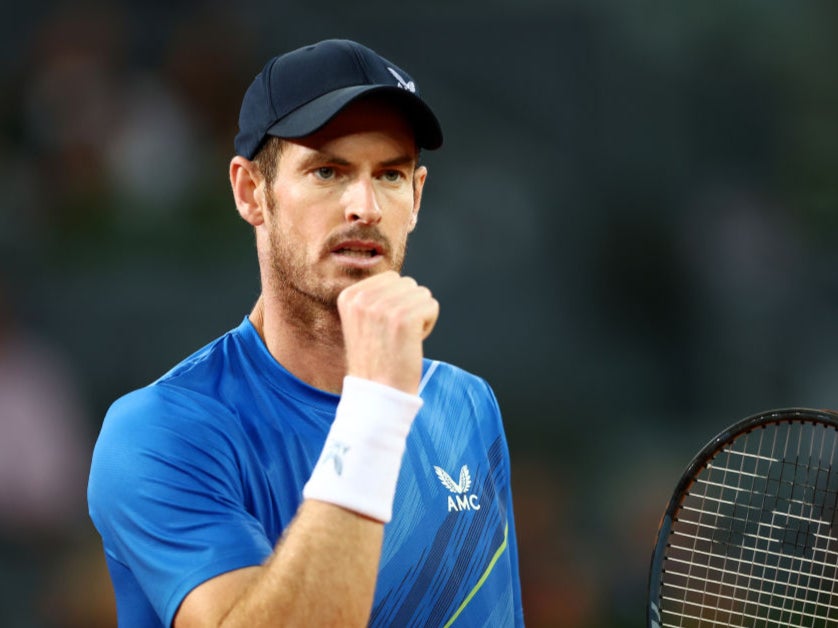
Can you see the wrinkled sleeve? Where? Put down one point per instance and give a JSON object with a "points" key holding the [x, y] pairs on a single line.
{"points": [[165, 494]]}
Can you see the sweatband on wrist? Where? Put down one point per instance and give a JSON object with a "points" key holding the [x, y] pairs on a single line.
{"points": [[361, 459]]}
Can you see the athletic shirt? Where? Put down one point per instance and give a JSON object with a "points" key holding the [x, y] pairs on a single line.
{"points": [[200, 472]]}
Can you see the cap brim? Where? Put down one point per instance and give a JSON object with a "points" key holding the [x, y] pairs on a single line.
{"points": [[316, 113]]}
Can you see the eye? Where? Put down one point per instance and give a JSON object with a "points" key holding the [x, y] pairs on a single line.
{"points": [[324, 173], [392, 176]]}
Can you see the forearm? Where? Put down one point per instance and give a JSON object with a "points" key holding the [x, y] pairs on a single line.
{"points": [[322, 573]]}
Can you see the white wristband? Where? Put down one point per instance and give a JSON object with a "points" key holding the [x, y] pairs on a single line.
{"points": [[360, 462]]}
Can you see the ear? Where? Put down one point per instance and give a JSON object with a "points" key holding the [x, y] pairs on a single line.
{"points": [[419, 177], [248, 189]]}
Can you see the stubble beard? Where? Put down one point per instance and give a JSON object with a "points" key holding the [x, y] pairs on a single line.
{"points": [[307, 295]]}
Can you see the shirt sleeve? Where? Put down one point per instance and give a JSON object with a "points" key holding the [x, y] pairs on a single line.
{"points": [[165, 494]]}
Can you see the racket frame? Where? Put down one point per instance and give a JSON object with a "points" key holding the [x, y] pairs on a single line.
{"points": [[697, 465]]}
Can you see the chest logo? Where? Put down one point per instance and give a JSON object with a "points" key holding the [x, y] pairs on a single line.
{"points": [[460, 499]]}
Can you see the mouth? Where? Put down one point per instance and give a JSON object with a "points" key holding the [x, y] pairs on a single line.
{"points": [[358, 252]]}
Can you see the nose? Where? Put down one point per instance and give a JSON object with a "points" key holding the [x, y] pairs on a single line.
{"points": [[361, 202]]}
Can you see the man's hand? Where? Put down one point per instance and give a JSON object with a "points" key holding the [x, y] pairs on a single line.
{"points": [[385, 318]]}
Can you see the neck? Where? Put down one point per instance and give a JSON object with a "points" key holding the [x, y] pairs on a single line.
{"points": [[306, 338]]}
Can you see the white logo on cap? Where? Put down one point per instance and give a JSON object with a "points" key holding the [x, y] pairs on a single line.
{"points": [[408, 85]]}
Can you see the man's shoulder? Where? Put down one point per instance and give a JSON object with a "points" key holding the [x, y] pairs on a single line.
{"points": [[170, 418], [446, 383], [188, 389], [444, 374], [214, 357]]}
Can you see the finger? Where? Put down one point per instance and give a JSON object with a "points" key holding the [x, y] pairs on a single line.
{"points": [[377, 289], [367, 289], [415, 305]]}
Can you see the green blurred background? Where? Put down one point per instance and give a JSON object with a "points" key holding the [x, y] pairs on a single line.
{"points": [[630, 230]]}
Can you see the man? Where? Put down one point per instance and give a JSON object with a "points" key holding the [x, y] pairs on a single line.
{"points": [[310, 467]]}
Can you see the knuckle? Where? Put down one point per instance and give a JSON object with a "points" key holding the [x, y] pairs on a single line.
{"points": [[345, 299]]}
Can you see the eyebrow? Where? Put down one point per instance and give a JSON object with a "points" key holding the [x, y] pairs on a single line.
{"points": [[402, 160], [318, 157]]}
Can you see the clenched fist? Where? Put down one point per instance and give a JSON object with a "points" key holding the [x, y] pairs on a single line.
{"points": [[385, 318]]}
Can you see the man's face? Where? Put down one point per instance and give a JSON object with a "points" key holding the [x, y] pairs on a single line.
{"points": [[343, 202]]}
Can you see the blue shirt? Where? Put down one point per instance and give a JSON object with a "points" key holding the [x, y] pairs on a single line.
{"points": [[199, 473]]}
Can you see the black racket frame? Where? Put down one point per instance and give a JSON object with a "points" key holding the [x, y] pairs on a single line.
{"points": [[719, 442]]}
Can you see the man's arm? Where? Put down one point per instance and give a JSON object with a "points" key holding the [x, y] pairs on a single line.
{"points": [[322, 572]]}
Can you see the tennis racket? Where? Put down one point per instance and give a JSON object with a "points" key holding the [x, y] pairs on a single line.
{"points": [[750, 536]]}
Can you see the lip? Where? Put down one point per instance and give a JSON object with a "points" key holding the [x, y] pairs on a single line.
{"points": [[358, 253]]}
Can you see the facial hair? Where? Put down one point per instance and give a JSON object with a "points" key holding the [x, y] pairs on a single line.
{"points": [[297, 280]]}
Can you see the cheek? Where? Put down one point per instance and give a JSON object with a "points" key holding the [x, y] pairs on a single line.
{"points": [[401, 202], [399, 235], [397, 222], [300, 216]]}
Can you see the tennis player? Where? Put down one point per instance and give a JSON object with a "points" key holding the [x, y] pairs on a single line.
{"points": [[310, 467]]}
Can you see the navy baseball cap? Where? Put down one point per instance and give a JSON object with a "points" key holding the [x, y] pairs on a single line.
{"points": [[298, 92]]}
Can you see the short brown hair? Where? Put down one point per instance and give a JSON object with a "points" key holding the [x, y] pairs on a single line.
{"points": [[267, 157]]}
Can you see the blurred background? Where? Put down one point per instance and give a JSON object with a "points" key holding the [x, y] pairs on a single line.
{"points": [[631, 230]]}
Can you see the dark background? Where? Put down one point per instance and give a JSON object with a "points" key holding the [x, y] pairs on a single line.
{"points": [[630, 230]]}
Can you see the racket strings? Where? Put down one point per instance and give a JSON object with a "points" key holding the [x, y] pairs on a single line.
{"points": [[753, 538]]}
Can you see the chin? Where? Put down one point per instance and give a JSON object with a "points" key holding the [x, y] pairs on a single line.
{"points": [[360, 273], [363, 273]]}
